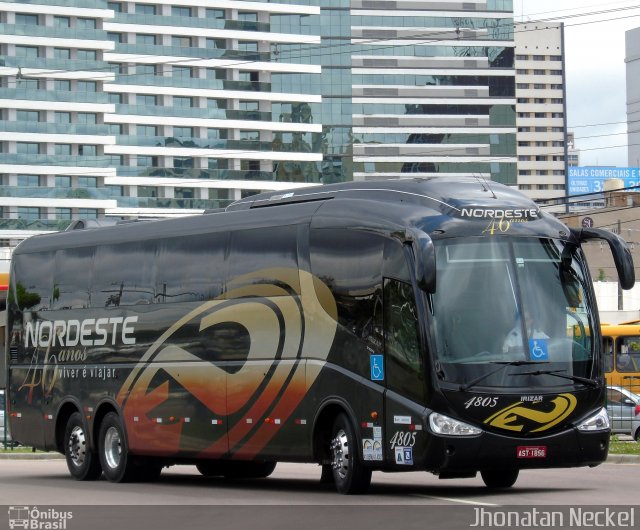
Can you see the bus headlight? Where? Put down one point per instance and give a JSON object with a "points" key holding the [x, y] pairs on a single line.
{"points": [[441, 424], [597, 422]]}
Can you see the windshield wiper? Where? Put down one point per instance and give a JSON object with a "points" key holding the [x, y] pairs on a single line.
{"points": [[503, 365], [558, 373]]}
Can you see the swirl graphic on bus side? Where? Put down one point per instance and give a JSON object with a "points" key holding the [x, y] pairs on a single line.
{"points": [[523, 418], [285, 316]]}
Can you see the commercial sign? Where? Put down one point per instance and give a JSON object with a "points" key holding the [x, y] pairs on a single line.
{"points": [[591, 179]]}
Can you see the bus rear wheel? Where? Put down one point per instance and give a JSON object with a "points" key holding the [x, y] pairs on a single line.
{"points": [[83, 463], [499, 478], [117, 464], [349, 475]]}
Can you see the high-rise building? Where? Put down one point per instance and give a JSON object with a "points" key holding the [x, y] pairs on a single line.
{"points": [[573, 153], [167, 107], [541, 108], [632, 60]]}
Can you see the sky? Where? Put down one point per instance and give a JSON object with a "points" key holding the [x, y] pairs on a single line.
{"points": [[596, 80]]}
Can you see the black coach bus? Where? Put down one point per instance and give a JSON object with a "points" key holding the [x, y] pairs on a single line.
{"points": [[445, 325]]}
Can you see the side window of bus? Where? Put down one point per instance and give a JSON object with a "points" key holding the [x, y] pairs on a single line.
{"points": [[349, 262], [405, 372], [265, 259], [34, 281], [190, 269], [628, 355], [124, 275], [71, 285], [607, 351]]}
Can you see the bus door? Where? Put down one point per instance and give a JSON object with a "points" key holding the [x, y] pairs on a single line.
{"points": [[405, 375]]}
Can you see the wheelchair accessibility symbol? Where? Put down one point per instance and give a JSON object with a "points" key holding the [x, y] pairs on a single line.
{"points": [[538, 350], [377, 367]]}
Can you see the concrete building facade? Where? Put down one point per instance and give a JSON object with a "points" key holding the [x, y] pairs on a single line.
{"points": [[153, 108], [632, 60], [541, 109]]}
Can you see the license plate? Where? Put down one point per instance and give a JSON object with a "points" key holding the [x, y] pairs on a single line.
{"points": [[528, 451]]}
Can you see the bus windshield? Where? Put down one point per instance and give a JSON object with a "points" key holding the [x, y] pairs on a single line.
{"points": [[512, 313]]}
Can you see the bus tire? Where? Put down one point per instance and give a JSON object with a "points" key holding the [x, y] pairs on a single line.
{"points": [[82, 462], [499, 478], [117, 464], [349, 474]]}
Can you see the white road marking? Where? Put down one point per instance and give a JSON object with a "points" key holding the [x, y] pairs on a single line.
{"points": [[461, 501]]}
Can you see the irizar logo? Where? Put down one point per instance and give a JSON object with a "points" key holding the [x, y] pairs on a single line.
{"points": [[500, 213], [87, 332], [534, 416]]}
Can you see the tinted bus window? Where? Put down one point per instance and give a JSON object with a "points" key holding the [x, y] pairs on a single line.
{"points": [[267, 257], [190, 269], [124, 274], [404, 359], [405, 373], [72, 279], [34, 280], [350, 263]]}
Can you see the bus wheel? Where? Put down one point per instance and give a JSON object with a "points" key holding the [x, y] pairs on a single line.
{"points": [[117, 463], [83, 464], [349, 475], [499, 478]]}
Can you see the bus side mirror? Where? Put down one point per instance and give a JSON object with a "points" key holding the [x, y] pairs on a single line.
{"points": [[621, 253], [425, 262]]}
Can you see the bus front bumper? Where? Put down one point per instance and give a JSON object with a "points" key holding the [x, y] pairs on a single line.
{"points": [[460, 456]]}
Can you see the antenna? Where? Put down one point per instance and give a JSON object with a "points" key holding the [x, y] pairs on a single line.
{"points": [[485, 185]]}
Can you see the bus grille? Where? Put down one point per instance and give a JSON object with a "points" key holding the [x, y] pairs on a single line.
{"points": [[13, 352]]}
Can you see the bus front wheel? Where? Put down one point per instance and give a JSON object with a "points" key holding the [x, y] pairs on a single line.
{"points": [[349, 475], [117, 463], [499, 478], [83, 463]]}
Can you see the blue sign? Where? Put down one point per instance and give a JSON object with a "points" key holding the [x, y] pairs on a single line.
{"points": [[591, 179], [377, 367], [538, 350]]}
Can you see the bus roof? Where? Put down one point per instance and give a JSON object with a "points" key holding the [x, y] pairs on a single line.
{"points": [[433, 205]]}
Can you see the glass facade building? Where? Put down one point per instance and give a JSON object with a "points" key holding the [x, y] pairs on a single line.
{"points": [[167, 107]]}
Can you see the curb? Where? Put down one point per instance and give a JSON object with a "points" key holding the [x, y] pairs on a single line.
{"points": [[623, 459], [31, 456]]}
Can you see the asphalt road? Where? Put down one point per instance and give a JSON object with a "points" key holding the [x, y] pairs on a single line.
{"points": [[294, 498]]}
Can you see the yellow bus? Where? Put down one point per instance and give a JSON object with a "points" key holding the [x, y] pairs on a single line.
{"points": [[621, 348]]}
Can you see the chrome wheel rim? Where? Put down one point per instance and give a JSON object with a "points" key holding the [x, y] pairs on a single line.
{"points": [[77, 446], [340, 456], [112, 447]]}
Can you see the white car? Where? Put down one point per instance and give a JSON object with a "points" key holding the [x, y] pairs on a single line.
{"points": [[622, 406]]}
